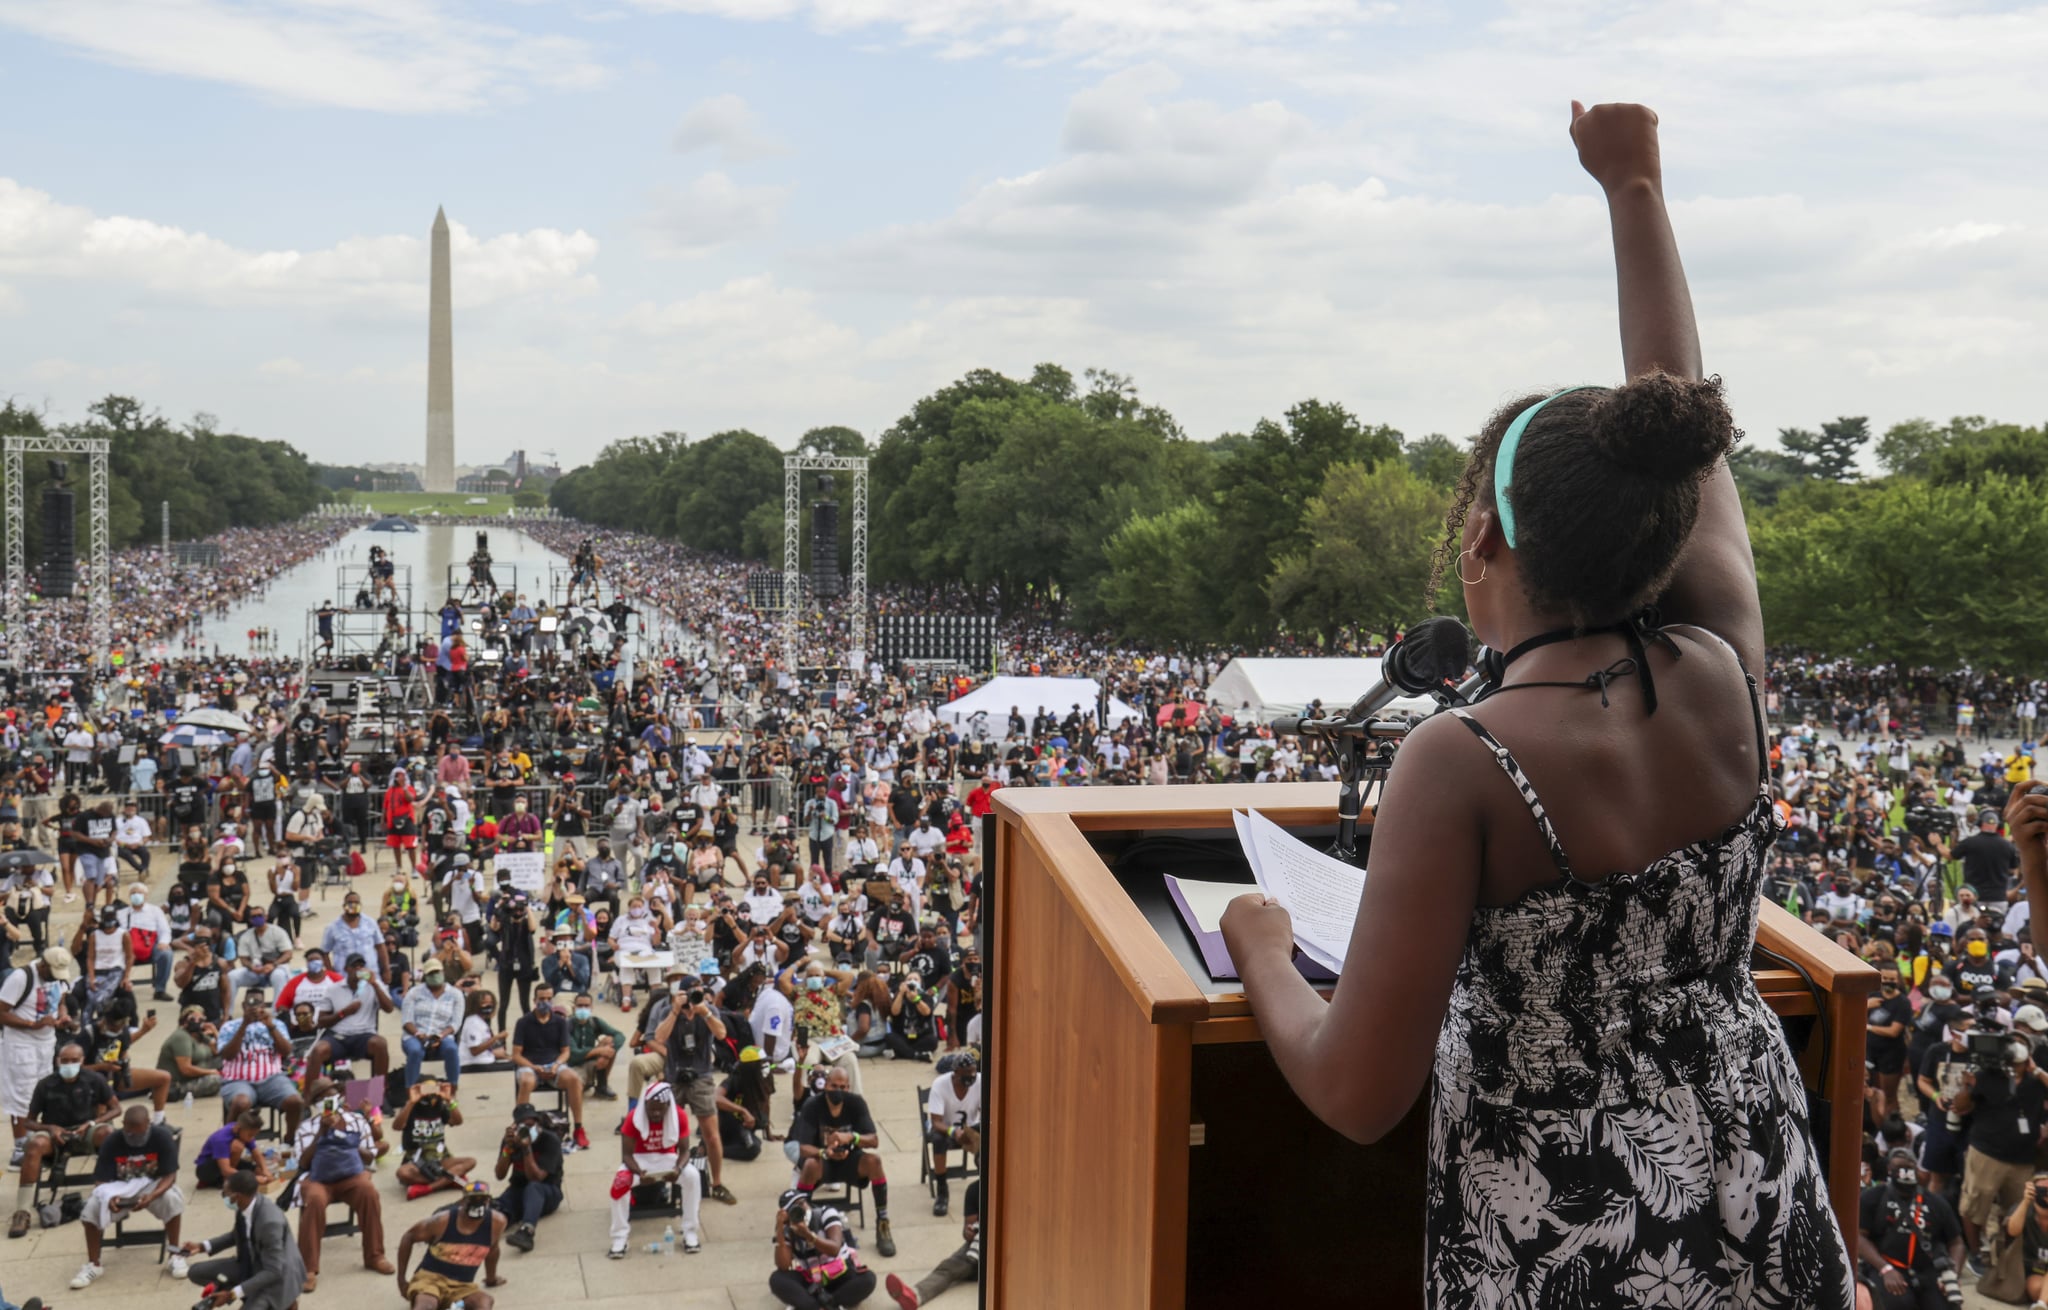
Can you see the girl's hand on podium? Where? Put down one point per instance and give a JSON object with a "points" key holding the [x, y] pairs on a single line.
{"points": [[1256, 925]]}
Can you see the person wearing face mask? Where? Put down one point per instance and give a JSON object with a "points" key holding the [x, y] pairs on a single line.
{"points": [[431, 1017], [137, 1173], [1932, 1021], [819, 1022], [70, 1113], [2009, 1115], [460, 1240], [652, 1142], [520, 830], [835, 1136], [261, 1266], [337, 1146], [33, 1006], [109, 1052], [636, 933], [1885, 1027], [356, 933], [425, 1162], [349, 1029], [540, 1057], [594, 1047], [530, 1165], [954, 1108], [149, 936], [263, 953], [1975, 972], [1908, 1242]]}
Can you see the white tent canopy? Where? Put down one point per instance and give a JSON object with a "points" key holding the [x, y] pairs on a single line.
{"points": [[996, 697], [1265, 689]]}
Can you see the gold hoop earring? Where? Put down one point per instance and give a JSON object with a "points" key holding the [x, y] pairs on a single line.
{"points": [[1470, 582]]}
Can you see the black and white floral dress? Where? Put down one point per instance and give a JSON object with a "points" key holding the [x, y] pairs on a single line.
{"points": [[1616, 1118]]}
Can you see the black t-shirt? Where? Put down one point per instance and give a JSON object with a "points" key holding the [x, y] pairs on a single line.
{"points": [[1893, 1222], [930, 963], [1899, 1009], [1935, 1016], [689, 1048], [426, 1129], [1974, 973], [119, 1162], [547, 1153], [542, 1043], [817, 1118], [186, 802], [1988, 864], [67, 1105], [891, 925], [203, 990], [2009, 1116]]}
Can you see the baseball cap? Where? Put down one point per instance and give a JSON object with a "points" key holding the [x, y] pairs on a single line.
{"points": [[62, 967], [2031, 1016], [522, 1113], [1985, 817], [1942, 930]]}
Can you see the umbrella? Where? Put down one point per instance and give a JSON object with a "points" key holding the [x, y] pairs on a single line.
{"points": [[393, 523], [1189, 711], [12, 861], [212, 716], [194, 737]]}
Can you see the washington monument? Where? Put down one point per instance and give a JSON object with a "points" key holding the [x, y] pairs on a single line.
{"points": [[440, 470]]}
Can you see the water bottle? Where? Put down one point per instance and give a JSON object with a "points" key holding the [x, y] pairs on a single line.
{"points": [[668, 1239], [654, 1248], [188, 1103]]}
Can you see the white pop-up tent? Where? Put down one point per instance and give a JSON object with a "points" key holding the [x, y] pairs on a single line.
{"points": [[1265, 689], [996, 697]]}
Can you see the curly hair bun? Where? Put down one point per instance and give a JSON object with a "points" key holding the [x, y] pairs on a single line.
{"points": [[1663, 428]]}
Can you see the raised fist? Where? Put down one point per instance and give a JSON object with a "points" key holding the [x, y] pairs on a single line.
{"points": [[1617, 144]]}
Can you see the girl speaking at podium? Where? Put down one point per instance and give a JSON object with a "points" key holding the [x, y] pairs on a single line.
{"points": [[1564, 877]]}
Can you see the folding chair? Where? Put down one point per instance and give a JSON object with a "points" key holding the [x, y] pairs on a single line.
{"points": [[853, 1200]]}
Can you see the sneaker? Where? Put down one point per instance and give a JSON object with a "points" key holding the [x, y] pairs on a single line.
{"points": [[160, 996], [692, 1242], [723, 1194], [179, 1267], [20, 1149], [415, 1191], [521, 1237], [618, 1251], [1978, 1264], [87, 1272], [904, 1294], [885, 1242], [21, 1223], [582, 1139], [940, 1204]]}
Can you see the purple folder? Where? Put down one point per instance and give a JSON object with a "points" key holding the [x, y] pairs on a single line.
{"points": [[1216, 956]]}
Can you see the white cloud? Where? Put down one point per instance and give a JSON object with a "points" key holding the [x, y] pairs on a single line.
{"points": [[398, 56], [1095, 29], [284, 367], [711, 211], [727, 124], [42, 237]]}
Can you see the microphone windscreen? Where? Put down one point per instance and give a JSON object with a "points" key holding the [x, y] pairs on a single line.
{"points": [[1287, 725], [1433, 653]]}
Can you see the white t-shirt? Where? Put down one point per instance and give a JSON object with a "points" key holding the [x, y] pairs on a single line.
{"points": [[952, 1108], [773, 1016], [475, 1030]]}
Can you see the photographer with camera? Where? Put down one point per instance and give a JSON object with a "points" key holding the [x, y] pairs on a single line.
{"points": [[1908, 1242], [913, 1031], [2007, 1097], [422, 1124], [530, 1165], [682, 1050], [816, 1263], [336, 1147]]}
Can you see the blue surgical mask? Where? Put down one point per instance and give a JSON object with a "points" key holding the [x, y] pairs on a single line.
{"points": [[68, 1072], [581, 1012]]}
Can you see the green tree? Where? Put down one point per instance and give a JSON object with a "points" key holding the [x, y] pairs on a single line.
{"points": [[1371, 531], [724, 478], [1437, 460], [1908, 447], [1976, 449], [844, 442], [1263, 487], [1909, 571], [1765, 475], [916, 472], [1831, 452], [1160, 576]]}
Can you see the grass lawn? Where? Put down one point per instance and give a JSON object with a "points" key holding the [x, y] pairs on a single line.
{"points": [[425, 502]]}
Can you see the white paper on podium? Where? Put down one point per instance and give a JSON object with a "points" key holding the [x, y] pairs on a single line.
{"points": [[1320, 891]]}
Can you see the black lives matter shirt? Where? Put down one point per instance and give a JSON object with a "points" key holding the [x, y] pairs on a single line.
{"points": [[119, 1162]]}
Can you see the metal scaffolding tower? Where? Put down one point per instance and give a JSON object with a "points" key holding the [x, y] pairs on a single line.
{"points": [[793, 469], [99, 577]]}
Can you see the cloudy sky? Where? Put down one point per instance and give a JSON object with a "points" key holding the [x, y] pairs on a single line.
{"points": [[699, 214]]}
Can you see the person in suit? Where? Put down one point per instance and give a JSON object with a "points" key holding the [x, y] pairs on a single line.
{"points": [[265, 1268]]}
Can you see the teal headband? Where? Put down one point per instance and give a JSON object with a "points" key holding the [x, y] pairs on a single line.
{"points": [[1504, 460]]}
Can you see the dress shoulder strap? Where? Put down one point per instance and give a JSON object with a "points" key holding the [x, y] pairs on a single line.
{"points": [[1507, 763]]}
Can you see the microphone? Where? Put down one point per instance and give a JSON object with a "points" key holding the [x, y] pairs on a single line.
{"points": [[1429, 659]]}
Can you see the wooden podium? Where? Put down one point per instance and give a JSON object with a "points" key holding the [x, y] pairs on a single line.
{"points": [[1142, 1148]]}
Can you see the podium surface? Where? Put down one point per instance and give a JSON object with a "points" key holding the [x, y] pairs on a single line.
{"points": [[1143, 1149]]}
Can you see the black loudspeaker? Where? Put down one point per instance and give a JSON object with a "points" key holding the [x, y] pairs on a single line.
{"points": [[825, 579], [60, 543]]}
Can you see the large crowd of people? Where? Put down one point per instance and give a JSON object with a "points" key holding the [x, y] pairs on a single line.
{"points": [[678, 880]]}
